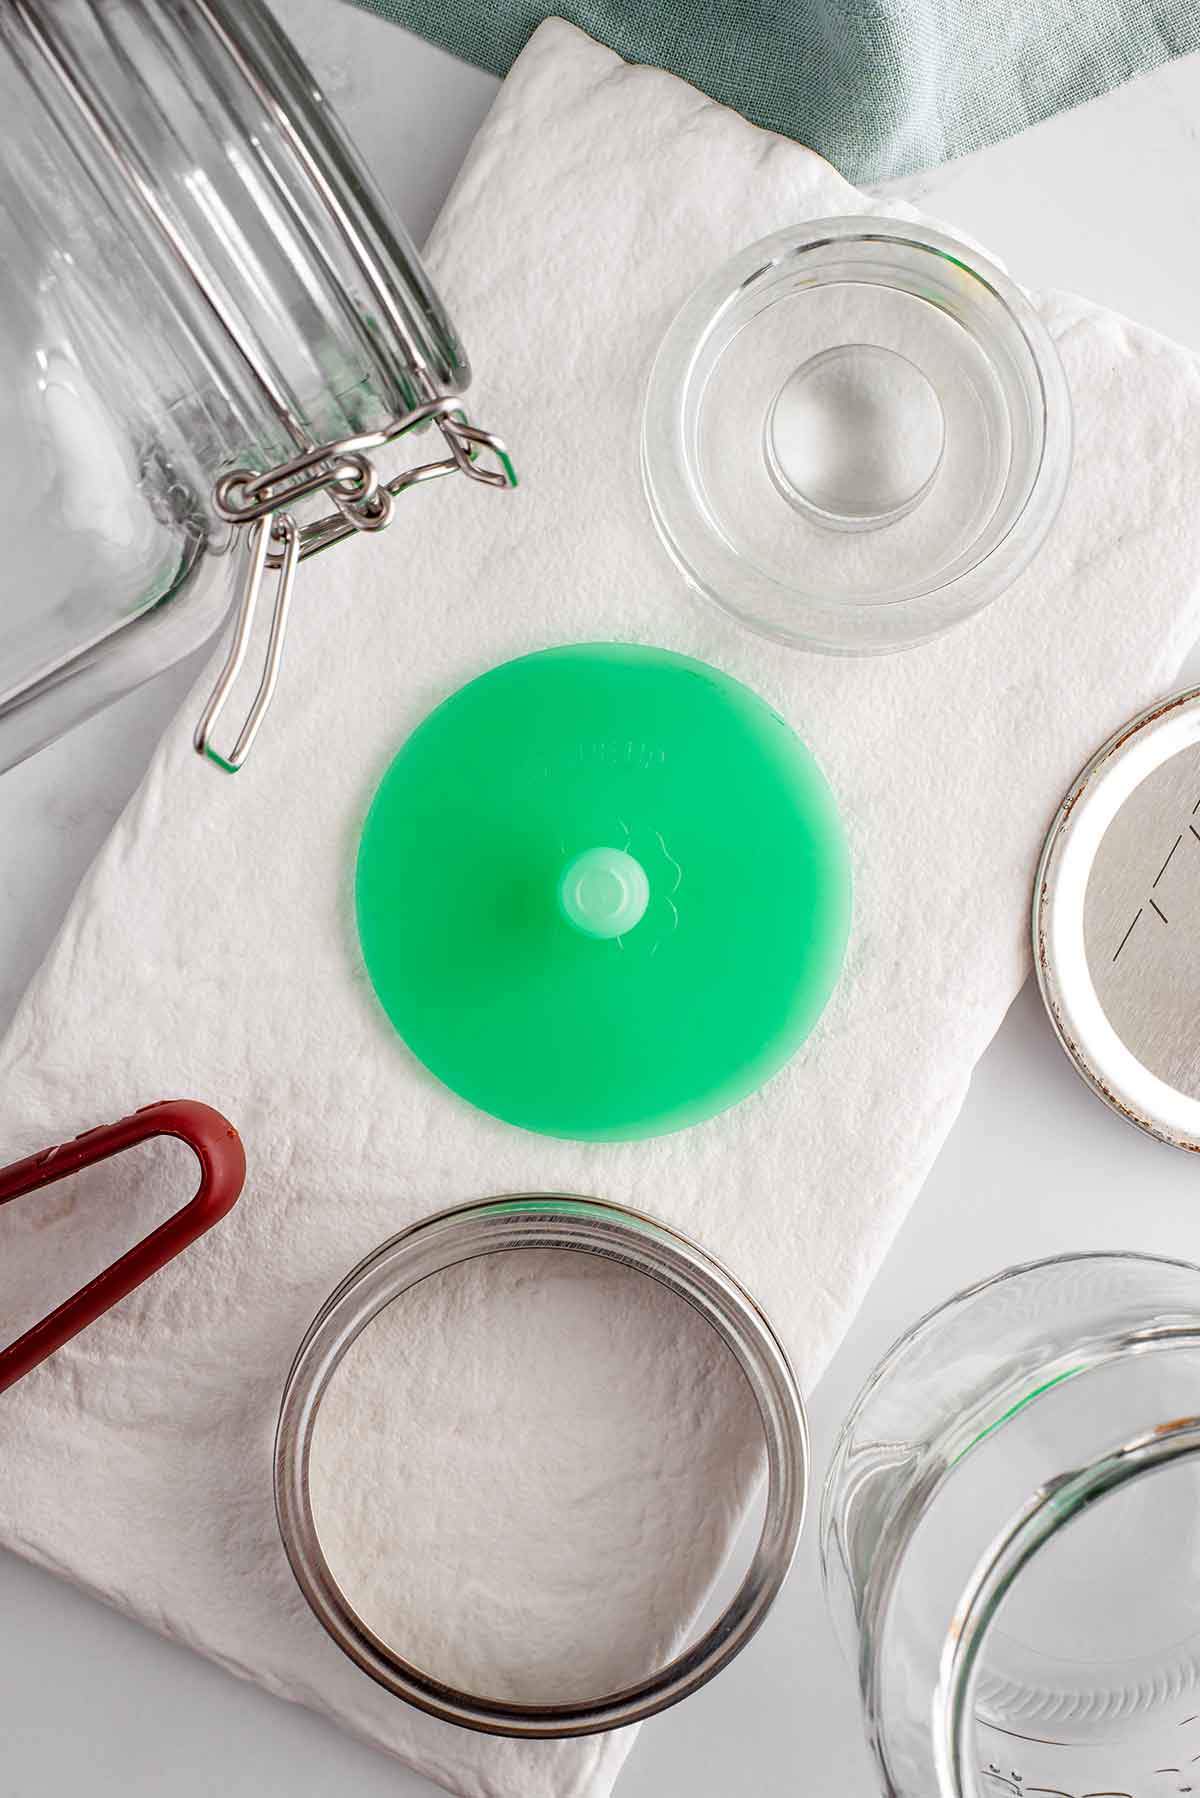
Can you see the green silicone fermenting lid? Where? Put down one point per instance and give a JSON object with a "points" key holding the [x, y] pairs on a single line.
{"points": [[603, 892]]}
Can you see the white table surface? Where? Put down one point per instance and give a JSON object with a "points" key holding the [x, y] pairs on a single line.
{"points": [[1102, 200]]}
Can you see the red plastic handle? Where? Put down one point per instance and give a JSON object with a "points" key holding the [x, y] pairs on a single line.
{"points": [[217, 1147]]}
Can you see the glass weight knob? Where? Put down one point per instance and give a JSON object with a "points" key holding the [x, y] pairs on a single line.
{"points": [[854, 437]]}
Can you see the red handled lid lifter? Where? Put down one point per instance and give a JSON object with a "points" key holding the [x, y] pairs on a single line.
{"points": [[216, 1146]]}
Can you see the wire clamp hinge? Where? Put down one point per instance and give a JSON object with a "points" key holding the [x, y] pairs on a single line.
{"points": [[263, 501]]}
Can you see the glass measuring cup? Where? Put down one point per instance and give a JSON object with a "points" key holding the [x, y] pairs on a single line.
{"points": [[1011, 1538]]}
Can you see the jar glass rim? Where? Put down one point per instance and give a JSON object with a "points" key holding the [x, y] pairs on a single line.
{"points": [[1132, 1303], [1053, 1508]]}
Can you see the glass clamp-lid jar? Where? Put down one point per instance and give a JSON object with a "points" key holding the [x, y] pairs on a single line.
{"points": [[214, 338]]}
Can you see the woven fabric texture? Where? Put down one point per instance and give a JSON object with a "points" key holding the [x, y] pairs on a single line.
{"points": [[880, 87]]}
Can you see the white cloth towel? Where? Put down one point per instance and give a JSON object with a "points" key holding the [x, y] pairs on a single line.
{"points": [[211, 952]]}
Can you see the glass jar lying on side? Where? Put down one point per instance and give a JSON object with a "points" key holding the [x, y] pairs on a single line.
{"points": [[1011, 1532], [210, 324]]}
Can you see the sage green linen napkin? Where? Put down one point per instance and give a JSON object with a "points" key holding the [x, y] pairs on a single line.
{"points": [[880, 87]]}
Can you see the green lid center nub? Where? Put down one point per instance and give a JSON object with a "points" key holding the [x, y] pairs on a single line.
{"points": [[604, 893]]}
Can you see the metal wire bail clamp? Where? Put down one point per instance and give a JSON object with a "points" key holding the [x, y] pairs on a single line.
{"points": [[262, 501]]}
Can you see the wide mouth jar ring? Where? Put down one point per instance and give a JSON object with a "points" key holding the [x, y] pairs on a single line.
{"points": [[856, 434], [580, 1225]]}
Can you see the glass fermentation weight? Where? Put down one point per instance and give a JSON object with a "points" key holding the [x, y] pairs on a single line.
{"points": [[856, 434]]}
